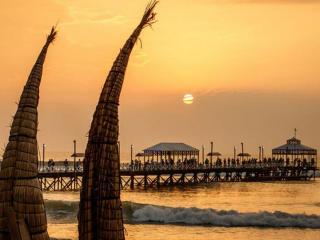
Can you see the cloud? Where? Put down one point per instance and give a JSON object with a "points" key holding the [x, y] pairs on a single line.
{"points": [[263, 1], [79, 15], [141, 59], [278, 1], [93, 17]]}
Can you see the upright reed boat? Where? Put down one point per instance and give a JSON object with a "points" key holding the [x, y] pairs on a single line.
{"points": [[22, 211], [100, 211]]}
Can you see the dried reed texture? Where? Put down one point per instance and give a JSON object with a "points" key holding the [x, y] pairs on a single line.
{"points": [[19, 185], [100, 212]]}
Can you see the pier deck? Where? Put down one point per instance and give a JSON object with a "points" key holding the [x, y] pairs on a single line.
{"points": [[158, 176]]}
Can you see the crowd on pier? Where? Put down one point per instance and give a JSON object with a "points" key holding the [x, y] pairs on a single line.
{"points": [[61, 166], [138, 165], [192, 163]]}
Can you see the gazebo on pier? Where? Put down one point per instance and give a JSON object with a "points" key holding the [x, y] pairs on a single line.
{"points": [[171, 151], [294, 150]]}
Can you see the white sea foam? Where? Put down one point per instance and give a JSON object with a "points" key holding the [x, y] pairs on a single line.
{"points": [[59, 211], [211, 217], [66, 211]]}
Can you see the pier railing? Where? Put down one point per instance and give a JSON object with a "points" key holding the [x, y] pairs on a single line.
{"points": [[150, 167]]}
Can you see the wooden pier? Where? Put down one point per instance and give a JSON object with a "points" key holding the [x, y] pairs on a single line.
{"points": [[155, 177], [170, 164]]}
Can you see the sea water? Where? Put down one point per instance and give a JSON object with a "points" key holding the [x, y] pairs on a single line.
{"points": [[242, 211]]}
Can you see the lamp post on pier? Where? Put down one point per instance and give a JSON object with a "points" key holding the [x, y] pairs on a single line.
{"points": [[242, 152], [43, 155], [74, 155], [119, 149], [260, 151], [202, 154], [211, 151], [74, 163]]}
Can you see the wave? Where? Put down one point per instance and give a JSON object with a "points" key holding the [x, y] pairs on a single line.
{"points": [[211, 217], [60, 211], [65, 211]]}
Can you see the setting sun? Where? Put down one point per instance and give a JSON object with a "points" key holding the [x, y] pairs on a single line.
{"points": [[188, 99]]}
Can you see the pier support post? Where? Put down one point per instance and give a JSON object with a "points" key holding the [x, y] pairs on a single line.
{"points": [[195, 177], [158, 180], [227, 176], [132, 182], [183, 176], [171, 179], [145, 181]]}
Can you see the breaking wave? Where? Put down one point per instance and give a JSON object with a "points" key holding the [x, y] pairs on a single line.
{"points": [[66, 211], [59, 211]]}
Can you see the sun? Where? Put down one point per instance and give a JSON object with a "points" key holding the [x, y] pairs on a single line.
{"points": [[188, 99]]}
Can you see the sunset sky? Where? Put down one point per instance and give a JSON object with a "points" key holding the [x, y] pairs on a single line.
{"points": [[251, 65]]}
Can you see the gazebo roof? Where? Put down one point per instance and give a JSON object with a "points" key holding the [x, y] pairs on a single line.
{"points": [[171, 147], [141, 154], [244, 155], [77, 155], [214, 154], [294, 147]]}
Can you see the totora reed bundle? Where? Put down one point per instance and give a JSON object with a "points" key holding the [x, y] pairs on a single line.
{"points": [[22, 211], [100, 213]]}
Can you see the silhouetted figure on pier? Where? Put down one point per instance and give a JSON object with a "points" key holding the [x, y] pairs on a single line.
{"points": [[206, 162], [66, 165], [78, 165], [51, 164], [312, 162]]}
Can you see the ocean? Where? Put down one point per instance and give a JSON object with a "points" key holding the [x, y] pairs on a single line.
{"points": [[242, 211]]}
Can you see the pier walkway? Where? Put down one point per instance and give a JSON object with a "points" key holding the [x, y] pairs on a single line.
{"points": [[156, 175]]}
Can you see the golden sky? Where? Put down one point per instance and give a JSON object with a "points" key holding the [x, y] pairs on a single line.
{"points": [[252, 66]]}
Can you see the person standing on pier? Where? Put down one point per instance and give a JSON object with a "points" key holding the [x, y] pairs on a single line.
{"points": [[66, 165]]}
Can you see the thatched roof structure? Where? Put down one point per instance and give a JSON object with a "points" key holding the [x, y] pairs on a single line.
{"points": [[294, 147], [100, 210], [21, 201], [244, 155], [214, 154], [170, 147]]}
